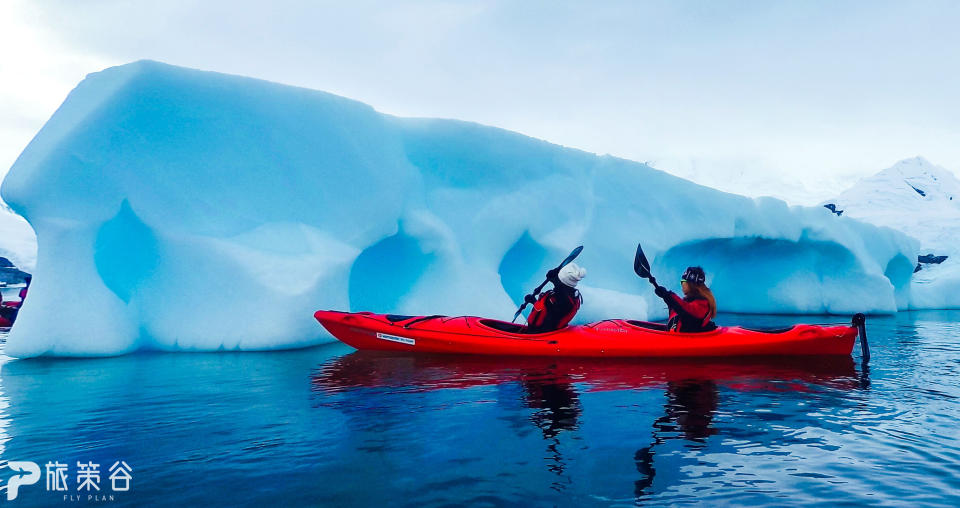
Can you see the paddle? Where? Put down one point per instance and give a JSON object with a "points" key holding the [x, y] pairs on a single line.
{"points": [[642, 267], [573, 255], [860, 321]]}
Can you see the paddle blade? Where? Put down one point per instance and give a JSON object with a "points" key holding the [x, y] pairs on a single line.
{"points": [[573, 255], [515, 316], [640, 264]]}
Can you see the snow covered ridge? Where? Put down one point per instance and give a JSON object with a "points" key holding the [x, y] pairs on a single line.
{"points": [[923, 201], [17, 241], [185, 210]]}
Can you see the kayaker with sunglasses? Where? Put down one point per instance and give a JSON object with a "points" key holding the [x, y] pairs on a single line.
{"points": [[695, 311]]}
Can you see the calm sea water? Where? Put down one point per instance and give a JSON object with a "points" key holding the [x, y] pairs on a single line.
{"points": [[331, 426]]}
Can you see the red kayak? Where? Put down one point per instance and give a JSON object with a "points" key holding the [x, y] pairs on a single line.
{"points": [[610, 338]]}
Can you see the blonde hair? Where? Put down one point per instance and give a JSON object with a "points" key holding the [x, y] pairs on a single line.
{"points": [[703, 291]]}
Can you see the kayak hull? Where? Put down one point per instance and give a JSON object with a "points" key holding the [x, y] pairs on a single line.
{"points": [[611, 338]]}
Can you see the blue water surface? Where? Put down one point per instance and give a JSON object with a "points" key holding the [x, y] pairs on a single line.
{"points": [[331, 426]]}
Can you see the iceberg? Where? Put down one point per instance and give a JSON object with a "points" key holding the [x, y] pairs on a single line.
{"points": [[178, 209], [922, 200]]}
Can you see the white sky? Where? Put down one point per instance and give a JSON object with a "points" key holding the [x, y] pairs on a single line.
{"points": [[793, 99]]}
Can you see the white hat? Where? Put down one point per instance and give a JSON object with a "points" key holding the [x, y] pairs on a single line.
{"points": [[571, 274]]}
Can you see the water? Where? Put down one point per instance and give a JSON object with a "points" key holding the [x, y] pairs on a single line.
{"points": [[331, 426]]}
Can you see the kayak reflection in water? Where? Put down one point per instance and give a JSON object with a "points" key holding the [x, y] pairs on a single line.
{"points": [[558, 409], [557, 402], [553, 390], [689, 412], [556, 307], [693, 312]]}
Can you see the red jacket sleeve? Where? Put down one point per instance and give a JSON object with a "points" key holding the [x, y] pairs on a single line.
{"points": [[697, 309]]}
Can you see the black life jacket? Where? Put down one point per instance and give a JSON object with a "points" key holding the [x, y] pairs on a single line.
{"points": [[543, 319]]}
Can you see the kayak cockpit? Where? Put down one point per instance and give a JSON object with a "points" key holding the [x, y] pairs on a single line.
{"points": [[514, 328], [769, 330], [660, 327], [394, 318], [502, 326]]}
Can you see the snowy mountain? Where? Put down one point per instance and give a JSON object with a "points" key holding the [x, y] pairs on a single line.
{"points": [[923, 201], [202, 211], [17, 241], [913, 196]]}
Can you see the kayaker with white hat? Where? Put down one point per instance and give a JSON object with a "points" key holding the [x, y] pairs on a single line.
{"points": [[556, 307]]}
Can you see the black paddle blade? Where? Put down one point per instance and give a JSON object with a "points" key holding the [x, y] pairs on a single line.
{"points": [[640, 263], [573, 255]]}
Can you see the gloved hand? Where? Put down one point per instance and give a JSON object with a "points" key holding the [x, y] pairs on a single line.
{"points": [[553, 275], [661, 291], [530, 299]]}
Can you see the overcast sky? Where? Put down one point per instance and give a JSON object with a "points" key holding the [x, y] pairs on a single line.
{"points": [[794, 99]]}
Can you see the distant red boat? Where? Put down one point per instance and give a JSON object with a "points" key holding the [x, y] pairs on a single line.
{"points": [[611, 338]]}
